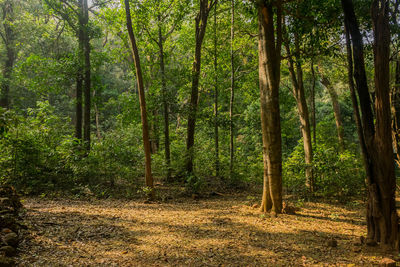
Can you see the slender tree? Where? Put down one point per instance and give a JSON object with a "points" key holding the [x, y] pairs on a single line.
{"points": [[79, 73], [87, 76], [296, 75], [201, 25], [139, 80], [336, 109], [269, 50]]}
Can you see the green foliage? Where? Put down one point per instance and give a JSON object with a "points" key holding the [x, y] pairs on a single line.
{"points": [[336, 174], [31, 151]]}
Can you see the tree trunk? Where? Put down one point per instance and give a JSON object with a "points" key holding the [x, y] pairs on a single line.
{"points": [[336, 110], [386, 231], [231, 125], [313, 113], [216, 95], [79, 72], [97, 117], [165, 101], [296, 74], [382, 220], [139, 78], [269, 50], [356, 110], [9, 42], [201, 24], [87, 79]]}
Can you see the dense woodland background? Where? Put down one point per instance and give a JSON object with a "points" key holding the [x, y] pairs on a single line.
{"points": [[71, 119], [39, 148]]}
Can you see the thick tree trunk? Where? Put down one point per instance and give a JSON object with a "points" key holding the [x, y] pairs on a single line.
{"points": [[201, 24], [336, 110], [87, 78], [139, 78], [231, 102], [296, 74], [165, 101], [269, 49], [9, 42], [387, 227], [216, 136], [382, 220]]}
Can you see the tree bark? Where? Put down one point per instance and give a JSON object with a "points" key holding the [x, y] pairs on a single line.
{"points": [[387, 226], [336, 110], [87, 78], [296, 74], [139, 79], [232, 98], [382, 219], [201, 24], [269, 50], [8, 37], [165, 101], [356, 109]]}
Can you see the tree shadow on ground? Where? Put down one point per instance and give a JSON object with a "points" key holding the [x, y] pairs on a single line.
{"points": [[200, 234]]}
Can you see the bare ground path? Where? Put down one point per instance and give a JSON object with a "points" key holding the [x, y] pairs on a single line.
{"points": [[215, 232]]}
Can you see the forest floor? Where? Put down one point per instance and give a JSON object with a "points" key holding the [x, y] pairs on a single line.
{"points": [[219, 231]]}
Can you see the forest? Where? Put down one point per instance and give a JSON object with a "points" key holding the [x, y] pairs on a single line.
{"points": [[199, 132]]}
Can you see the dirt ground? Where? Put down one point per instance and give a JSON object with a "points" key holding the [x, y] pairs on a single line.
{"points": [[221, 231]]}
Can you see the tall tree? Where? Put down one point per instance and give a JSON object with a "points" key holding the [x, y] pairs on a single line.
{"points": [[382, 219], [8, 37], [336, 109], [296, 75], [269, 50], [79, 72], [139, 80], [76, 14], [87, 76], [201, 25], [216, 94]]}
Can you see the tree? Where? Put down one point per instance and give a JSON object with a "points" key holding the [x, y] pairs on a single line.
{"points": [[76, 14], [382, 219], [269, 49], [87, 75], [336, 109], [8, 37], [216, 136], [201, 25], [296, 75], [139, 80]]}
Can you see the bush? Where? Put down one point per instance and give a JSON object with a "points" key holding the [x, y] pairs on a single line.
{"points": [[335, 174], [30, 150]]}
